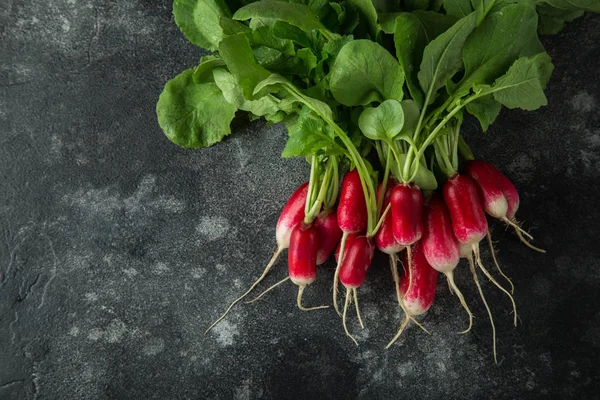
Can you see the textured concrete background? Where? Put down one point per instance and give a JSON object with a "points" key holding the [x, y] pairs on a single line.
{"points": [[117, 248]]}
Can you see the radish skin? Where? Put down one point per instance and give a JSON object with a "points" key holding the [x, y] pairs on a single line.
{"points": [[418, 296], [352, 218], [291, 215], [407, 208], [440, 246], [329, 234]]}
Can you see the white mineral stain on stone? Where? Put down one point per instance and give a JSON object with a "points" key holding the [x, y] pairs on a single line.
{"points": [[221, 267], [160, 268], [131, 272], [226, 332], [74, 331], [583, 102], [212, 227], [66, 25], [154, 346], [95, 334], [91, 297], [115, 331], [198, 272], [242, 392]]}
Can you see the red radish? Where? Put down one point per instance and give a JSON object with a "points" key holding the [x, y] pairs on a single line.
{"points": [[418, 293], [407, 207], [291, 215], [499, 195], [385, 240], [302, 259], [330, 234], [349, 241], [466, 211], [354, 264], [352, 217], [440, 247]]}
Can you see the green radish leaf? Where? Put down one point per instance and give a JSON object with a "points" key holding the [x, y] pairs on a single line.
{"points": [[199, 20], [386, 6], [494, 45], [276, 82], [387, 22], [264, 36], [411, 118], [231, 27], [299, 65], [414, 5], [458, 8], [553, 19], [524, 83], [442, 57], [585, 5], [367, 17], [283, 30], [298, 15], [237, 53], [234, 96], [193, 115], [414, 31], [485, 109], [203, 72], [365, 72], [383, 122], [333, 47], [309, 135]]}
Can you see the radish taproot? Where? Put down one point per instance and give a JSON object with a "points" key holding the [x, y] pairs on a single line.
{"points": [[354, 264], [418, 292], [291, 215], [352, 217], [440, 246], [499, 195]]}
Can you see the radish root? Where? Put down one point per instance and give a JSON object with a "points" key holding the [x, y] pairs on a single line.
{"points": [[336, 276], [299, 301], [264, 274], [394, 268], [409, 260], [494, 281], [403, 325], [344, 316], [354, 292], [493, 251], [517, 227], [527, 243], [268, 290], [450, 278], [476, 279]]}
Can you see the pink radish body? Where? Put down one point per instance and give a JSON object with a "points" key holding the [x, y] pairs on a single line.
{"points": [[407, 208], [291, 215], [352, 209], [329, 234], [494, 201], [440, 247], [302, 255], [384, 239], [466, 211], [356, 261], [420, 297], [349, 239]]}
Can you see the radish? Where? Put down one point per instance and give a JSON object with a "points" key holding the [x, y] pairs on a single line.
{"points": [[385, 240], [291, 215], [440, 246], [329, 234], [302, 259], [352, 217], [354, 264], [499, 195], [418, 292]]}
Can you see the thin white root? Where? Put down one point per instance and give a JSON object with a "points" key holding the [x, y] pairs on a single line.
{"points": [[486, 306], [409, 262], [527, 243], [403, 325], [268, 290], [336, 276], [299, 301], [517, 227], [494, 281], [493, 251], [264, 274], [344, 316], [354, 292], [394, 268], [450, 278]]}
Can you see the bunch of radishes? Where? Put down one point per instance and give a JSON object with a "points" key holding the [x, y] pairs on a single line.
{"points": [[433, 230]]}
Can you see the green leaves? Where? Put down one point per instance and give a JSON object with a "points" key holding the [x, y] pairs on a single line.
{"points": [[485, 109], [442, 57], [383, 122], [193, 115], [523, 84], [497, 43], [365, 72], [308, 135], [199, 21], [232, 92]]}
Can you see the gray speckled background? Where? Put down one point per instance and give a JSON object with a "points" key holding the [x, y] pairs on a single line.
{"points": [[117, 248]]}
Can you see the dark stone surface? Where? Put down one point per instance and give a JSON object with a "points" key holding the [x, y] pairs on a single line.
{"points": [[117, 248]]}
